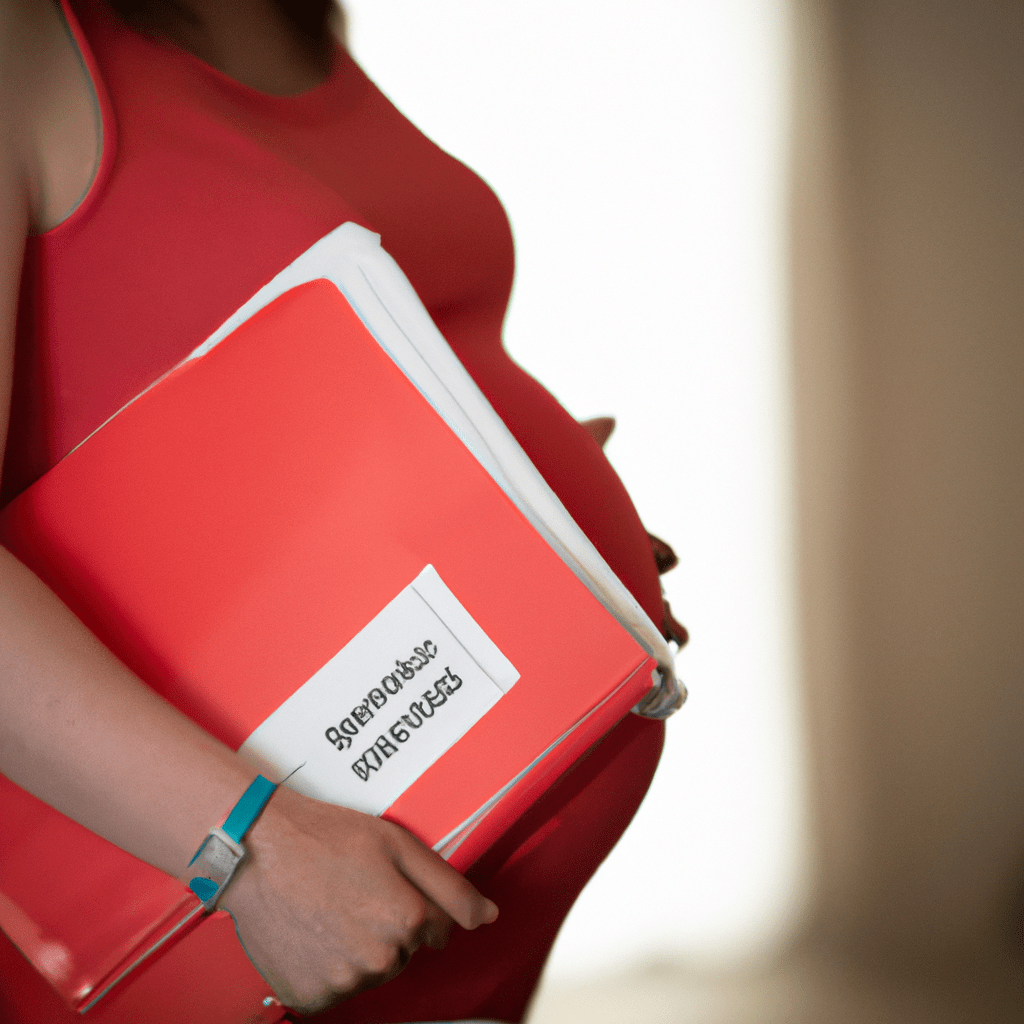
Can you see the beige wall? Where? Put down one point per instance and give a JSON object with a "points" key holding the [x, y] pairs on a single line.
{"points": [[909, 368]]}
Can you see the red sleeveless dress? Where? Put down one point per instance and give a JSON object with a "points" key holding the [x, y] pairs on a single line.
{"points": [[206, 189]]}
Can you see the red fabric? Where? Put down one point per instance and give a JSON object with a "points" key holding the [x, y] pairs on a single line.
{"points": [[206, 189]]}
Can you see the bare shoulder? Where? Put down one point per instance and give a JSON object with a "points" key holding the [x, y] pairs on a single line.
{"points": [[28, 30], [42, 136], [17, 48], [49, 126]]}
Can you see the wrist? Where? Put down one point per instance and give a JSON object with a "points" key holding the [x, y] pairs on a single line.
{"points": [[276, 833], [213, 866]]}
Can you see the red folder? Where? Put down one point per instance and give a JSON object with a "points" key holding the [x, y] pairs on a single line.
{"points": [[226, 534]]}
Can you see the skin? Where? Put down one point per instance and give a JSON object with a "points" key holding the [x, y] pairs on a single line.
{"points": [[329, 901], [600, 428]]}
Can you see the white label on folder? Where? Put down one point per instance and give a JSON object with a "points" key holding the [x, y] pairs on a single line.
{"points": [[402, 691]]}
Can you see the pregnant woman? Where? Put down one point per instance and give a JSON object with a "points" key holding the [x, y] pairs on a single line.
{"points": [[160, 161]]}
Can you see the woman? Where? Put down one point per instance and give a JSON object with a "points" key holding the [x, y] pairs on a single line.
{"points": [[172, 148]]}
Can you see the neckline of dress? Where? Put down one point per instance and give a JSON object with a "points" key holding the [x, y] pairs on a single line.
{"points": [[249, 93]]}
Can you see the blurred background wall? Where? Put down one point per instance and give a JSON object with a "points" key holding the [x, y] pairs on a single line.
{"points": [[908, 298]]}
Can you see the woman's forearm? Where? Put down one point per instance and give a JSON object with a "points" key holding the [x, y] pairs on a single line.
{"points": [[80, 731], [328, 902]]}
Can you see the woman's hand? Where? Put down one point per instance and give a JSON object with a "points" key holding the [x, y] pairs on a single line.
{"points": [[330, 902], [599, 428]]}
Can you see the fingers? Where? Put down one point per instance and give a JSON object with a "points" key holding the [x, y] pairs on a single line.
{"points": [[664, 557], [599, 428], [331, 902], [416, 921], [442, 884], [436, 927]]}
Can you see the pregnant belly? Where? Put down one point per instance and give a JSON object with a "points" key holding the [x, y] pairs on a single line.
{"points": [[575, 468]]}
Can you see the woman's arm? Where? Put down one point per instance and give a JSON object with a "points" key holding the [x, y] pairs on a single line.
{"points": [[330, 901]]}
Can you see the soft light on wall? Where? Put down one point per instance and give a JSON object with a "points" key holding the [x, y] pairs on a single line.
{"points": [[639, 151]]}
